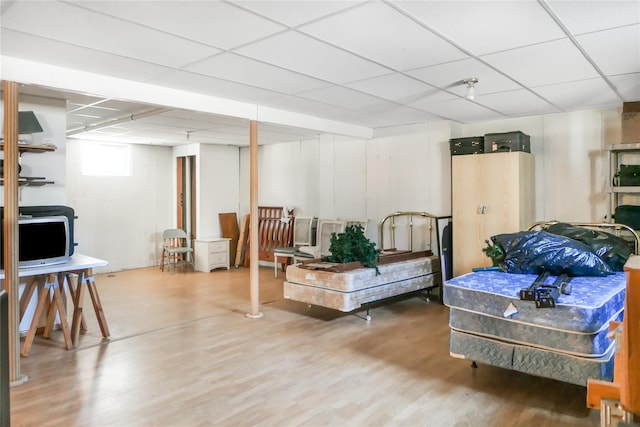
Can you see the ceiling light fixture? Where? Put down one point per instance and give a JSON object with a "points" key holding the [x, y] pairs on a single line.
{"points": [[471, 84]]}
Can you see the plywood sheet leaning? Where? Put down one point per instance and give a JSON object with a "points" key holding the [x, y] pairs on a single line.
{"points": [[243, 241], [229, 229]]}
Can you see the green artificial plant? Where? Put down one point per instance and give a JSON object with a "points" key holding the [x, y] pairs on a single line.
{"points": [[495, 252], [352, 245]]}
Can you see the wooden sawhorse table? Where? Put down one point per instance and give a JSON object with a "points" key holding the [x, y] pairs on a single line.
{"points": [[53, 277]]}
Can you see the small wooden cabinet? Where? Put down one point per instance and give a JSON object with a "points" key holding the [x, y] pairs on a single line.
{"points": [[211, 253]]}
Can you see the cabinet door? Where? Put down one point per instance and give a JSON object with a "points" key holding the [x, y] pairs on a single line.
{"points": [[492, 194]]}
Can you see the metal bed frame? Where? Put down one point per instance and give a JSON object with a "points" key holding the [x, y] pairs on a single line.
{"points": [[619, 230], [616, 228], [433, 223], [392, 228]]}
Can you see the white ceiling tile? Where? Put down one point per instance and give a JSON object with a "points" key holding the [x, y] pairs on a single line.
{"points": [[243, 70], [288, 14], [305, 55], [342, 97], [463, 111], [288, 131], [394, 87], [580, 94], [427, 102], [66, 23], [516, 103], [623, 59], [366, 30], [483, 27], [204, 120], [215, 23], [393, 116], [44, 50], [272, 61], [586, 16], [108, 106], [450, 76], [543, 64], [628, 85], [211, 86], [307, 106]]}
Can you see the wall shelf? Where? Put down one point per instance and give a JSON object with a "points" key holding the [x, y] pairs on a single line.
{"points": [[30, 148], [30, 181], [625, 189], [616, 153]]}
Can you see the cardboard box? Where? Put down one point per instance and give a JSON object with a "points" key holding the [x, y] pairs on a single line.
{"points": [[631, 107], [631, 122]]}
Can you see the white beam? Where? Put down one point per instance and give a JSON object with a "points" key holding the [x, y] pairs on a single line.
{"points": [[55, 77]]}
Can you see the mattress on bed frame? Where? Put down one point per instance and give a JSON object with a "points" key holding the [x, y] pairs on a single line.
{"points": [[490, 323], [347, 291], [531, 360], [581, 344], [592, 303]]}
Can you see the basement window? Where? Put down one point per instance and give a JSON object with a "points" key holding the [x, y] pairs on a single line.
{"points": [[106, 160]]}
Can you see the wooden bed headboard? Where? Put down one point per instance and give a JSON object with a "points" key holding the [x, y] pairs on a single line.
{"points": [[273, 232]]}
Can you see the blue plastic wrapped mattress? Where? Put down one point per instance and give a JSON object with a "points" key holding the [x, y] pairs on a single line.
{"points": [[570, 342]]}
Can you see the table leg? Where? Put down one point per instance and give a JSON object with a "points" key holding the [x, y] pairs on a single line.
{"points": [[78, 323], [97, 305], [57, 298], [43, 296], [25, 298], [56, 306], [51, 313]]}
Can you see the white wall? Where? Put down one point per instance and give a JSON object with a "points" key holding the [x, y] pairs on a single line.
{"points": [[408, 168], [402, 168], [570, 160], [217, 186], [120, 219], [52, 115]]}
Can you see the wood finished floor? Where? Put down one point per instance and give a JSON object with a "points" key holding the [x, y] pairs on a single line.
{"points": [[183, 353]]}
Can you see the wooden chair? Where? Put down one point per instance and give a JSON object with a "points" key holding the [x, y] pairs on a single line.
{"points": [[326, 228], [303, 235]]}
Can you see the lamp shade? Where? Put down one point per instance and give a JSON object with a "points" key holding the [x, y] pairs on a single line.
{"points": [[28, 123]]}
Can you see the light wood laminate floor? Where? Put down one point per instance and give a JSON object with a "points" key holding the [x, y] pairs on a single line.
{"points": [[183, 353]]}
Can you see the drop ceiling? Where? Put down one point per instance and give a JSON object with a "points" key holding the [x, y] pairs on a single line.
{"points": [[371, 64]]}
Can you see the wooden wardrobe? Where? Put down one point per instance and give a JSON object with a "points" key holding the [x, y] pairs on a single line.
{"points": [[492, 193]]}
